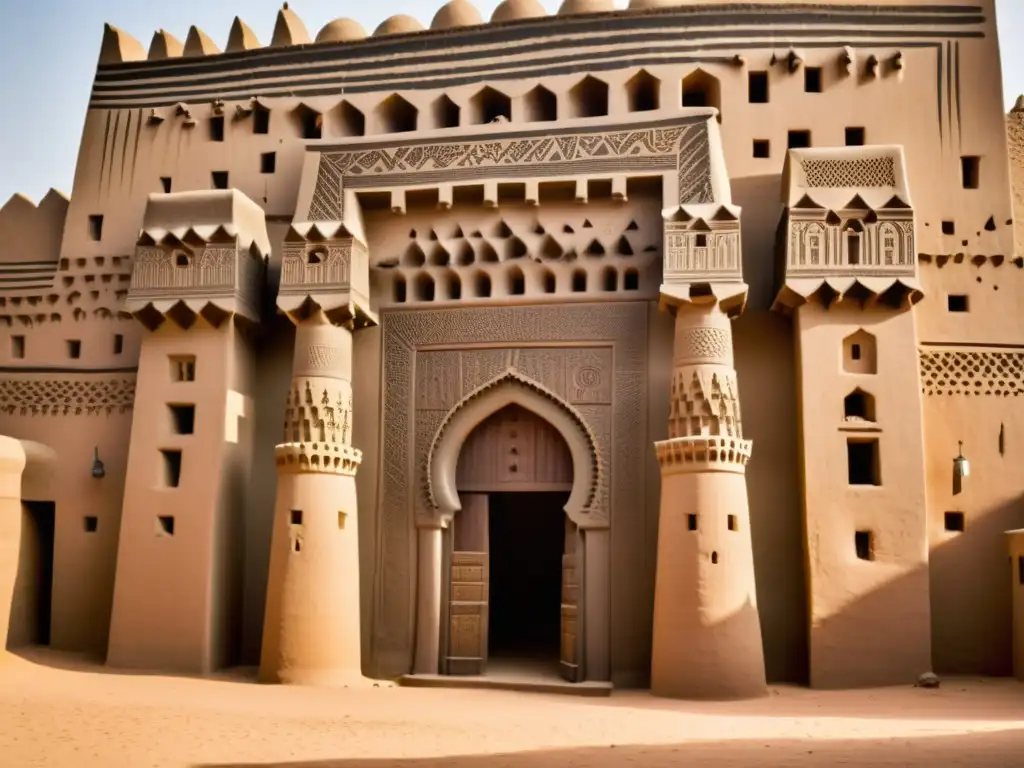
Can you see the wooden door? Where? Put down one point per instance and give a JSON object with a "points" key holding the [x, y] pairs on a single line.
{"points": [[470, 571], [571, 647]]}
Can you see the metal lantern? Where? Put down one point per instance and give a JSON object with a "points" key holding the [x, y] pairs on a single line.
{"points": [[98, 470], [961, 467]]}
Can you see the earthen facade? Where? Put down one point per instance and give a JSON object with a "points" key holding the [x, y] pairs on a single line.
{"points": [[405, 353]]}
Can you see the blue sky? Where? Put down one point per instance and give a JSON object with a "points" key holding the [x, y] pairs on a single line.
{"points": [[51, 46]]}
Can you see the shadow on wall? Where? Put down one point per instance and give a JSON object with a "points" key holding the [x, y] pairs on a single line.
{"points": [[978, 750]]}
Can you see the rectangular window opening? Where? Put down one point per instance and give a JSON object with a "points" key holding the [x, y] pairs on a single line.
{"points": [[731, 521], [864, 544], [948, 227], [165, 525], [220, 179], [341, 520], [183, 367], [217, 128], [970, 171], [954, 521], [165, 183], [17, 346], [799, 139], [296, 517], [74, 348], [812, 79], [91, 523], [855, 137], [183, 419], [757, 87], [956, 302], [268, 162], [1020, 570], [762, 148], [118, 343], [261, 120], [855, 351], [172, 467], [691, 522], [701, 241], [96, 227], [862, 462]]}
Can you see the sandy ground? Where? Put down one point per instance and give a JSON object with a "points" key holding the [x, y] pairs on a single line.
{"points": [[56, 710]]}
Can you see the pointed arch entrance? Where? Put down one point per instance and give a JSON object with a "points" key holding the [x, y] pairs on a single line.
{"points": [[512, 473]]}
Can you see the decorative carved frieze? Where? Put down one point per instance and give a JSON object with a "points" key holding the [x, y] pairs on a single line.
{"points": [[853, 172], [701, 256], [703, 454], [856, 245], [334, 273], [66, 397], [972, 373], [679, 145]]}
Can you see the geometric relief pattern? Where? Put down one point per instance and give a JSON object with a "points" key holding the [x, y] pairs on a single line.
{"points": [[682, 145], [711, 344], [66, 397], [593, 356], [862, 172], [972, 373]]}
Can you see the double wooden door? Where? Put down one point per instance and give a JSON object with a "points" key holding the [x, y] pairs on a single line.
{"points": [[469, 593]]}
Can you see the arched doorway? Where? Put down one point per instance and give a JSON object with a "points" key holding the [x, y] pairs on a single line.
{"points": [[513, 592]]}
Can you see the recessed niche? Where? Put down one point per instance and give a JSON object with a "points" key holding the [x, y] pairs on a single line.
{"points": [[516, 282], [91, 523], [702, 90], [96, 227], [957, 302], [731, 523], [74, 348], [454, 287], [308, 122], [219, 179], [762, 148], [396, 115], [295, 517], [549, 282], [714, 558], [812, 80], [691, 522], [631, 280], [260, 119], [165, 525], [970, 171], [489, 105], [424, 287], [165, 184], [183, 367], [948, 227], [757, 87], [341, 520], [398, 289], [863, 465], [217, 128], [610, 279], [445, 112], [171, 467], [183, 419], [589, 98], [855, 137], [864, 545], [799, 139], [954, 521], [483, 285], [17, 347], [579, 281], [859, 353], [859, 406], [540, 105], [268, 162], [346, 120], [118, 343], [643, 92]]}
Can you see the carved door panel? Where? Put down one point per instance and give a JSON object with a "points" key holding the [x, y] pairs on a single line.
{"points": [[470, 571], [572, 637]]}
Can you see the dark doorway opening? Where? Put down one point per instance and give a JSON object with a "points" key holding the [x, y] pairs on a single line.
{"points": [[39, 586], [527, 539]]}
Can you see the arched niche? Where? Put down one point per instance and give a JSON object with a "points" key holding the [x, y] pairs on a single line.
{"points": [[860, 354], [513, 389]]}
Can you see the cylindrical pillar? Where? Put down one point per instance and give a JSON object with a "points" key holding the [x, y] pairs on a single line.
{"points": [[311, 632], [707, 631], [428, 600]]}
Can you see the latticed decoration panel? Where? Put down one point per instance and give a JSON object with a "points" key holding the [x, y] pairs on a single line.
{"points": [[66, 397], [861, 172], [998, 374]]}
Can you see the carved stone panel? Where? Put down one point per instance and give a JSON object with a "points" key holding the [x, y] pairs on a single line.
{"points": [[593, 356]]}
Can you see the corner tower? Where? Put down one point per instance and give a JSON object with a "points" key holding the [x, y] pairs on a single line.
{"points": [[311, 632], [707, 631]]}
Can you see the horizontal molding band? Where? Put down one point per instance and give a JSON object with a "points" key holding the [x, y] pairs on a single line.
{"points": [[673, 22], [143, 99], [46, 369], [952, 346]]}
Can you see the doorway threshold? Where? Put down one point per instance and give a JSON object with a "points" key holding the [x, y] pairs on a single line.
{"points": [[504, 676]]}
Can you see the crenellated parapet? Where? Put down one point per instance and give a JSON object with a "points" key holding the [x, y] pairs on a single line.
{"points": [[199, 253], [848, 227], [327, 266]]}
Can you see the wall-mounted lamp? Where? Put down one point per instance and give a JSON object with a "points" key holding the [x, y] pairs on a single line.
{"points": [[961, 468], [98, 470]]}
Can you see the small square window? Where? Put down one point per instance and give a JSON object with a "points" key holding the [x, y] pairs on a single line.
{"points": [[17, 346], [956, 302], [732, 524], [970, 171], [118, 343], [855, 137], [949, 227], [183, 419], [757, 87], [268, 162], [864, 545], [762, 148], [220, 179], [954, 521], [172, 468], [812, 79], [96, 227], [296, 517], [74, 349], [691, 522], [217, 128], [183, 367], [799, 139], [91, 523], [701, 241], [165, 184], [165, 525]]}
